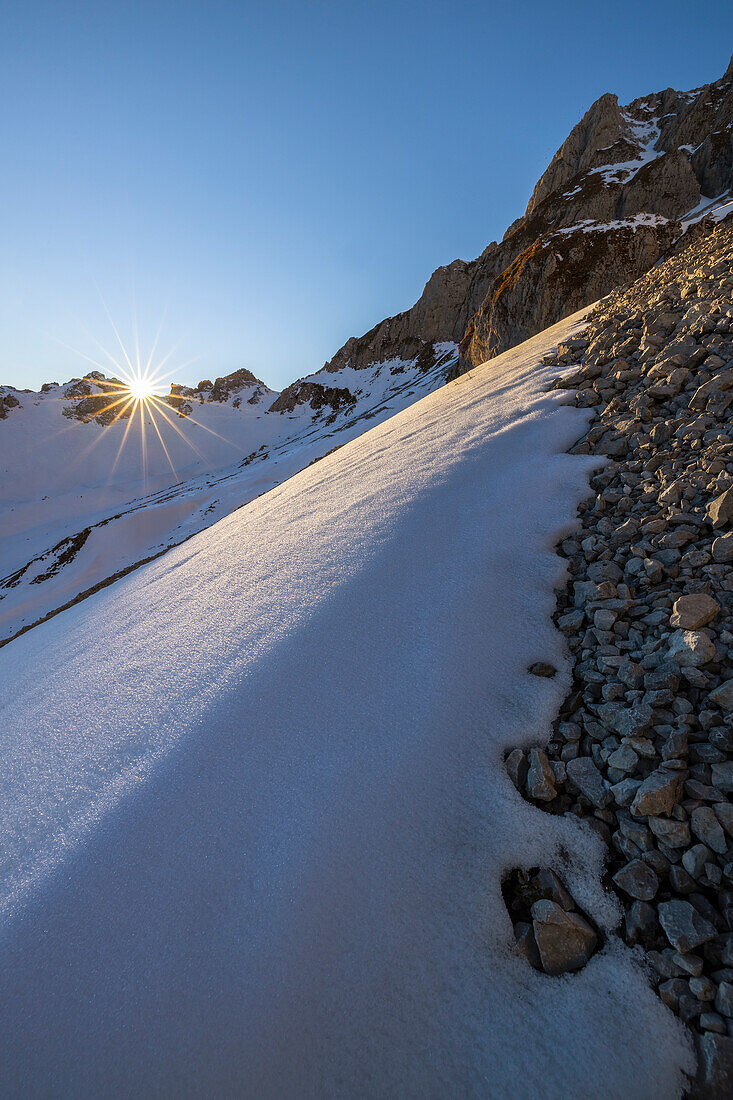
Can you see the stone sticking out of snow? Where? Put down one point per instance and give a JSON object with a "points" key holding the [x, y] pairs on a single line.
{"points": [[564, 940]]}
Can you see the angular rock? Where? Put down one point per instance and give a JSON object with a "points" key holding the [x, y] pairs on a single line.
{"points": [[724, 999], [572, 622], [692, 611], [675, 834], [624, 759], [708, 829], [526, 944], [658, 794], [638, 880], [722, 381], [695, 859], [641, 922], [691, 648], [721, 776], [724, 813], [589, 781], [540, 777], [623, 792], [564, 940], [711, 1021], [722, 548], [683, 926], [626, 721], [720, 510], [722, 696], [517, 766], [714, 1079]]}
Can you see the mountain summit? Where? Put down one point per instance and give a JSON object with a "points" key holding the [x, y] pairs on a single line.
{"points": [[619, 191]]}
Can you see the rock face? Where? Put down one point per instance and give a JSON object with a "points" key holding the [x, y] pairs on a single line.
{"points": [[604, 211], [572, 267], [387, 359], [313, 394]]}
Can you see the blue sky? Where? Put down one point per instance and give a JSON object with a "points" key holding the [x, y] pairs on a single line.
{"points": [[270, 178]]}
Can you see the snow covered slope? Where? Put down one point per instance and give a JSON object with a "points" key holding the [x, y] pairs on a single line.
{"points": [[83, 501], [254, 808]]}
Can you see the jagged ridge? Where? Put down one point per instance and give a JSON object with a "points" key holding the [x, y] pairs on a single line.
{"points": [[606, 209]]}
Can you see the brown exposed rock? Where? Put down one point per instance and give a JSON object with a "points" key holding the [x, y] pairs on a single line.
{"points": [[604, 173], [557, 275], [564, 940], [693, 610]]}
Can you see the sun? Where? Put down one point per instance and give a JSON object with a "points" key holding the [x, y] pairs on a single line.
{"points": [[142, 389]]}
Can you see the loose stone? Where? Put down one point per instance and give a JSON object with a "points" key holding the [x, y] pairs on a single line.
{"points": [[657, 795], [638, 880], [565, 941], [693, 611], [540, 777], [589, 781], [691, 648], [683, 926]]}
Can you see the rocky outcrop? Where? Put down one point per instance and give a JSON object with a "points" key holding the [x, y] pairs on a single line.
{"points": [[314, 394], [8, 401], [97, 398], [425, 356], [437, 317], [599, 138], [666, 186], [228, 387], [658, 156]]}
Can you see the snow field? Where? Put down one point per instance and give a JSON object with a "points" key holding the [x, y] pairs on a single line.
{"points": [[254, 805]]}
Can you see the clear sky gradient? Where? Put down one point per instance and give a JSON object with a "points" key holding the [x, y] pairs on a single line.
{"points": [[271, 178]]}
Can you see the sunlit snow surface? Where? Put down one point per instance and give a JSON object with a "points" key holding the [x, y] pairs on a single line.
{"points": [[60, 477], [254, 809]]}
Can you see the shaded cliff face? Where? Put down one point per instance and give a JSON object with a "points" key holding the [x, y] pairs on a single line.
{"points": [[622, 188]]}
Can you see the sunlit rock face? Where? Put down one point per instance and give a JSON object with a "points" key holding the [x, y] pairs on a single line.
{"points": [[611, 202]]}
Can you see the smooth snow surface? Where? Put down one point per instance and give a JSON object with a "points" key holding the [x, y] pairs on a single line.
{"points": [[255, 814]]}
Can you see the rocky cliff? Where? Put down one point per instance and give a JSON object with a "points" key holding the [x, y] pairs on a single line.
{"points": [[619, 192]]}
